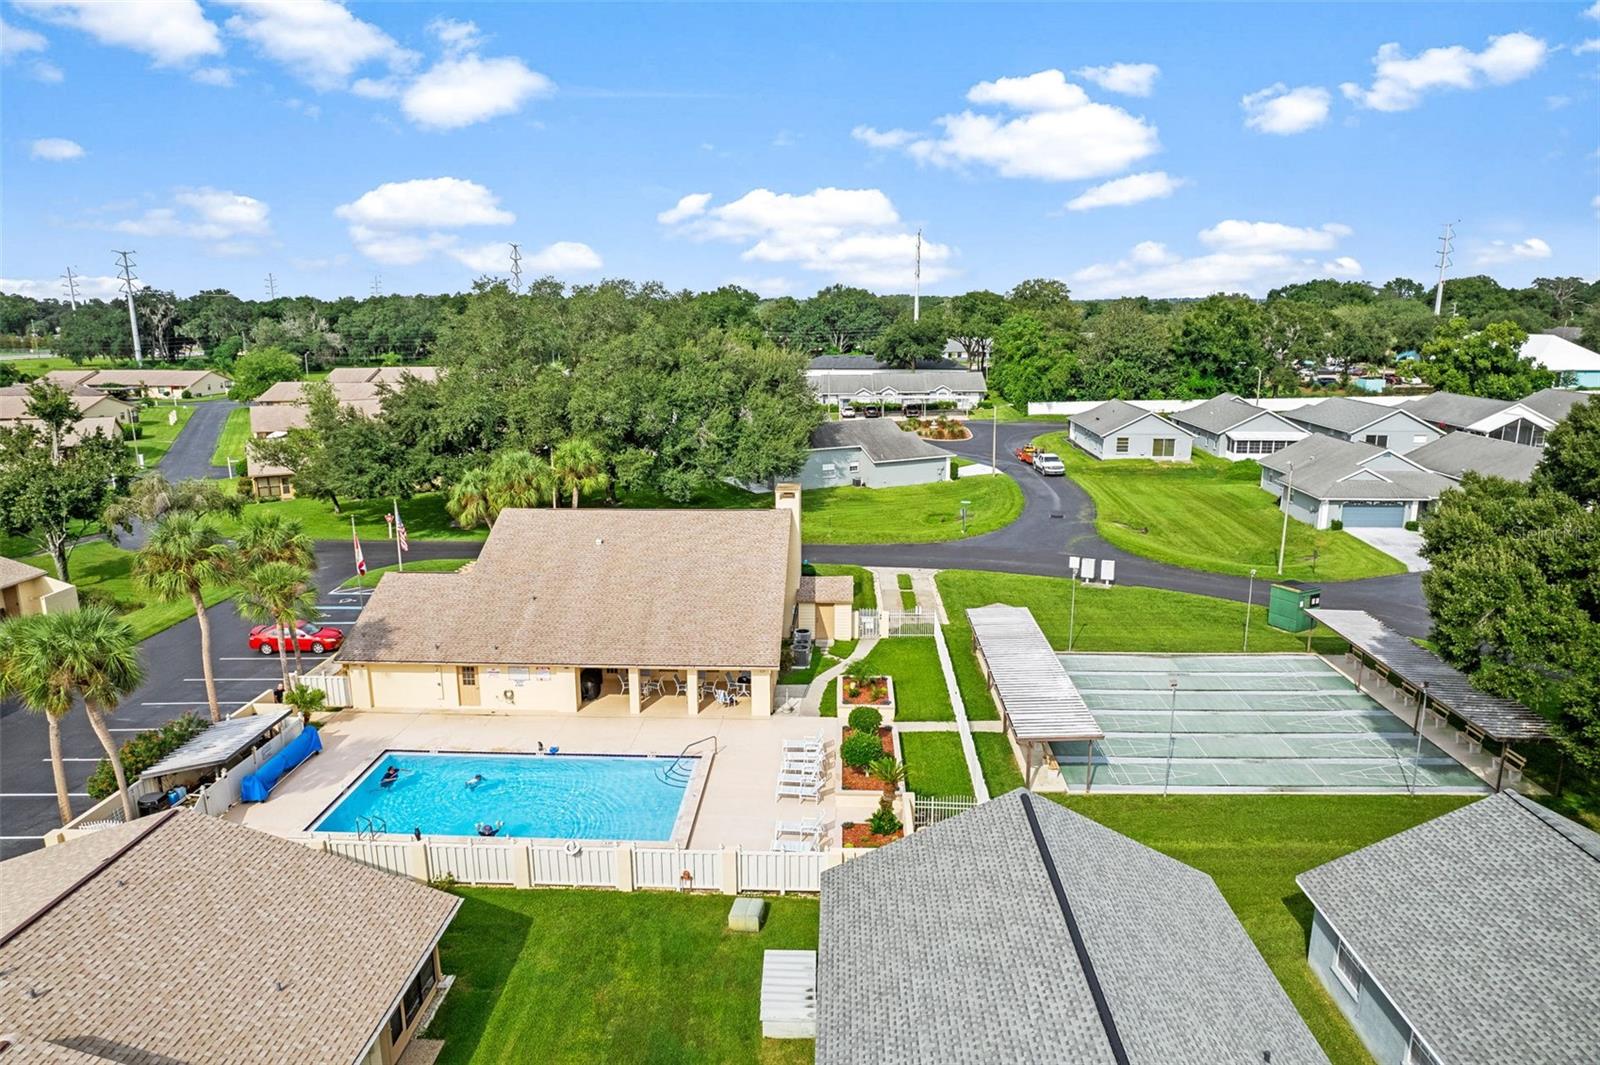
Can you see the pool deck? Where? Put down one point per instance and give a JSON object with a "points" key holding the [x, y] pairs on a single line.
{"points": [[737, 807]]}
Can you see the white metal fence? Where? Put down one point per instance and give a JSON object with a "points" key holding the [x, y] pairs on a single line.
{"points": [[931, 809], [904, 624]]}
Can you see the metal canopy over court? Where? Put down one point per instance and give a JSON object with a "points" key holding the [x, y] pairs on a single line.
{"points": [[1447, 687], [1039, 700], [217, 745]]}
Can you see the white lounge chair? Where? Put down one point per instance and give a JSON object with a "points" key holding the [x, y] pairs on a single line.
{"points": [[805, 744], [794, 846], [806, 785], [802, 764], [806, 827]]}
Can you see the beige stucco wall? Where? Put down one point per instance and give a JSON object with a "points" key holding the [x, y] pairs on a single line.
{"points": [[787, 497], [843, 626], [41, 595], [502, 689]]}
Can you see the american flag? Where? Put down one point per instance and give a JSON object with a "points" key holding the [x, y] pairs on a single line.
{"points": [[400, 532]]}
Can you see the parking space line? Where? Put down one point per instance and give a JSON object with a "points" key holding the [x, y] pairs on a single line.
{"points": [[39, 795]]}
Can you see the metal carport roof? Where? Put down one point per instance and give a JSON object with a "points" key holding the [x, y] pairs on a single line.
{"points": [[218, 744], [1037, 697]]}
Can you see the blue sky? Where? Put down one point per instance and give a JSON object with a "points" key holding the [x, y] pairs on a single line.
{"points": [[1166, 150]]}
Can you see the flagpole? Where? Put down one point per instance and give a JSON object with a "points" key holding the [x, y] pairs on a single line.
{"points": [[398, 554], [357, 541]]}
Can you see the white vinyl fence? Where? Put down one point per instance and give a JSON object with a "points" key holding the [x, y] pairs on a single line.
{"points": [[1171, 406], [214, 799]]}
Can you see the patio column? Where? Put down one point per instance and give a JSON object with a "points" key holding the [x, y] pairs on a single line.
{"points": [[635, 703], [692, 693], [761, 693]]}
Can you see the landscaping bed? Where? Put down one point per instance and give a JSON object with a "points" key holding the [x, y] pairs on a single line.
{"points": [[912, 663], [860, 834], [853, 779], [939, 428]]}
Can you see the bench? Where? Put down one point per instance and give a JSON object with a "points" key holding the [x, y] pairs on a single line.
{"points": [[1437, 716], [1472, 737], [789, 994], [1514, 761]]}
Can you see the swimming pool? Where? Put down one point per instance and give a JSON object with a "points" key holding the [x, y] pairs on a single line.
{"points": [[540, 796]]}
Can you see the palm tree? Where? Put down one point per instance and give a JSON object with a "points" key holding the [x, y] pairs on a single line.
{"points": [[30, 670], [280, 594], [151, 496], [184, 555], [512, 479], [891, 774], [306, 700], [271, 537], [580, 466], [468, 502], [100, 658]]}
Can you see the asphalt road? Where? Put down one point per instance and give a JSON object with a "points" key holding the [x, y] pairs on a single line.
{"points": [[189, 456], [1058, 520]]}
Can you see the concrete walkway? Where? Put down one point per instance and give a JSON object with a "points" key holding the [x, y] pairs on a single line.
{"points": [[811, 702]]}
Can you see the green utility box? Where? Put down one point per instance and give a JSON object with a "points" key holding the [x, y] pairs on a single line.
{"points": [[1287, 606]]}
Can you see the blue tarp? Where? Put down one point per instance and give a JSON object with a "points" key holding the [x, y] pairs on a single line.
{"points": [[258, 785]]}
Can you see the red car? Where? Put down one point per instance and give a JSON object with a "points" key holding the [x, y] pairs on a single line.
{"points": [[264, 638]]}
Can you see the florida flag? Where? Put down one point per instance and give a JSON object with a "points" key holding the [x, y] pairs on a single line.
{"points": [[361, 560]]}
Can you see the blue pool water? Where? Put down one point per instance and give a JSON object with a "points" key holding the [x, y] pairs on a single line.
{"points": [[566, 796]]}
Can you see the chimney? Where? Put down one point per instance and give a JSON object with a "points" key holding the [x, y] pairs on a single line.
{"points": [[786, 496]]}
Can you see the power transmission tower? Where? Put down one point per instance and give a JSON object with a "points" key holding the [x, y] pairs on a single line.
{"points": [[916, 292], [71, 285], [125, 261], [377, 284], [516, 267], [1446, 246], [272, 287]]}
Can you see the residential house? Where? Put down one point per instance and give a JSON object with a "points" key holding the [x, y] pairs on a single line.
{"points": [[392, 376], [1471, 939], [1031, 934], [565, 607], [1454, 454], [1231, 428], [873, 453], [867, 382], [1330, 479], [90, 403], [294, 392], [161, 384], [1578, 366], [186, 938], [1391, 428], [276, 419], [1118, 430], [1522, 421], [26, 590]]}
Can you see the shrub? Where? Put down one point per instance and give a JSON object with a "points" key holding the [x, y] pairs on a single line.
{"points": [[143, 751], [865, 719], [1336, 525], [244, 486], [859, 749], [883, 822], [101, 597], [1413, 526]]}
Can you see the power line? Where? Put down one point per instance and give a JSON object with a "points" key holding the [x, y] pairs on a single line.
{"points": [[125, 261], [916, 291], [272, 287], [71, 286], [377, 285], [1446, 246], [516, 267]]}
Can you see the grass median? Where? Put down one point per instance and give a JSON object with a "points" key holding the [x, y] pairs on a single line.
{"points": [[231, 443], [935, 765], [912, 514]]}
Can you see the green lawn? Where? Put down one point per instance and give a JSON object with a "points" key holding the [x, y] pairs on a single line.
{"points": [[37, 367], [866, 590], [830, 699], [913, 514], [986, 411], [1253, 846], [155, 435], [935, 764], [908, 598], [230, 445], [1210, 514], [969, 678], [102, 572], [999, 764], [1122, 618], [426, 565], [424, 515], [584, 976], [919, 691]]}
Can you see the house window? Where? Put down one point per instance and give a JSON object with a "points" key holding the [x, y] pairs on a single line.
{"points": [[1378, 439], [1417, 1054], [1122, 445], [855, 467], [469, 676], [1163, 448], [1348, 970]]}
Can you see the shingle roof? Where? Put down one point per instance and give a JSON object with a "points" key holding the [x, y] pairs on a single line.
{"points": [[1453, 454], [1316, 449], [1555, 403], [393, 375], [1322, 465], [902, 382], [277, 418], [1483, 927], [866, 362], [1454, 409], [14, 572], [835, 589], [1113, 414], [882, 439], [658, 588], [69, 379], [1340, 414], [158, 939], [985, 968], [146, 378], [14, 401], [294, 392]]}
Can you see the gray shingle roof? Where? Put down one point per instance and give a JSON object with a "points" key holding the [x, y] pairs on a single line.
{"points": [[1316, 449], [867, 362], [1483, 927], [1322, 464], [1340, 414], [881, 438], [952, 946], [1454, 409], [1453, 454], [1113, 414], [1555, 403]]}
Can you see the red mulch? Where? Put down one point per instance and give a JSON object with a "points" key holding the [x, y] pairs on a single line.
{"points": [[857, 780], [863, 695], [860, 835]]}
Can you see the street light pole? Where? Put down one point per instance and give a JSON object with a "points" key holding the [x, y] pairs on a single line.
{"points": [[1283, 538], [965, 503], [994, 436], [1249, 604], [1172, 718], [1072, 610]]}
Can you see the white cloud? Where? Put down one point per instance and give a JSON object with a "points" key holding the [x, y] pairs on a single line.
{"points": [[1402, 81], [318, 41], [222, 77], [1500, 251], [47, 72], [1249, 257], [885, 138], [1123, 191], [463, 90], [171, 32], [1585, 47], [852, 235], [562, 257], [686, 208], [218, 216], [1593, 11], [456, 35], [439, 203], [55, 149], [16, 40], [1282, 110], [1130, 79], [91, 288], [1058, 135]]}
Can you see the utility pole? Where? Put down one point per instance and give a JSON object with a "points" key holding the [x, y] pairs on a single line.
{"points": [[1283, 538], [1446, 246], [71, 285], [377, 285], [125, 261], [516, 267], [916, 292], [272, 287]]}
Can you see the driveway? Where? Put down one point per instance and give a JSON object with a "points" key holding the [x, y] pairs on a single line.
{"points": [[189, 456], [174, 686], [1403, 545], [1058, 520]]}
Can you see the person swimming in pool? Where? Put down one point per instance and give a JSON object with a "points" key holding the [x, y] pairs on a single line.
{"points": [[477, 778], [486, 829], [390, 775]]}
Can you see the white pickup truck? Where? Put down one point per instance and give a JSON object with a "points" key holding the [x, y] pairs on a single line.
{"points": [[1049, 464]]}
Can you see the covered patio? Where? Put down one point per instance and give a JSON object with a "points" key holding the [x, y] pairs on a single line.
{"points": [[1038, 702], [673, 692]]}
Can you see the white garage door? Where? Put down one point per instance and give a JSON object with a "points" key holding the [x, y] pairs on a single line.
{"points": [[1374, 515]]}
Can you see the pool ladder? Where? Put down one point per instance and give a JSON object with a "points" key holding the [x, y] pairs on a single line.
{"points": [[679, 773], [374, 825]]}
